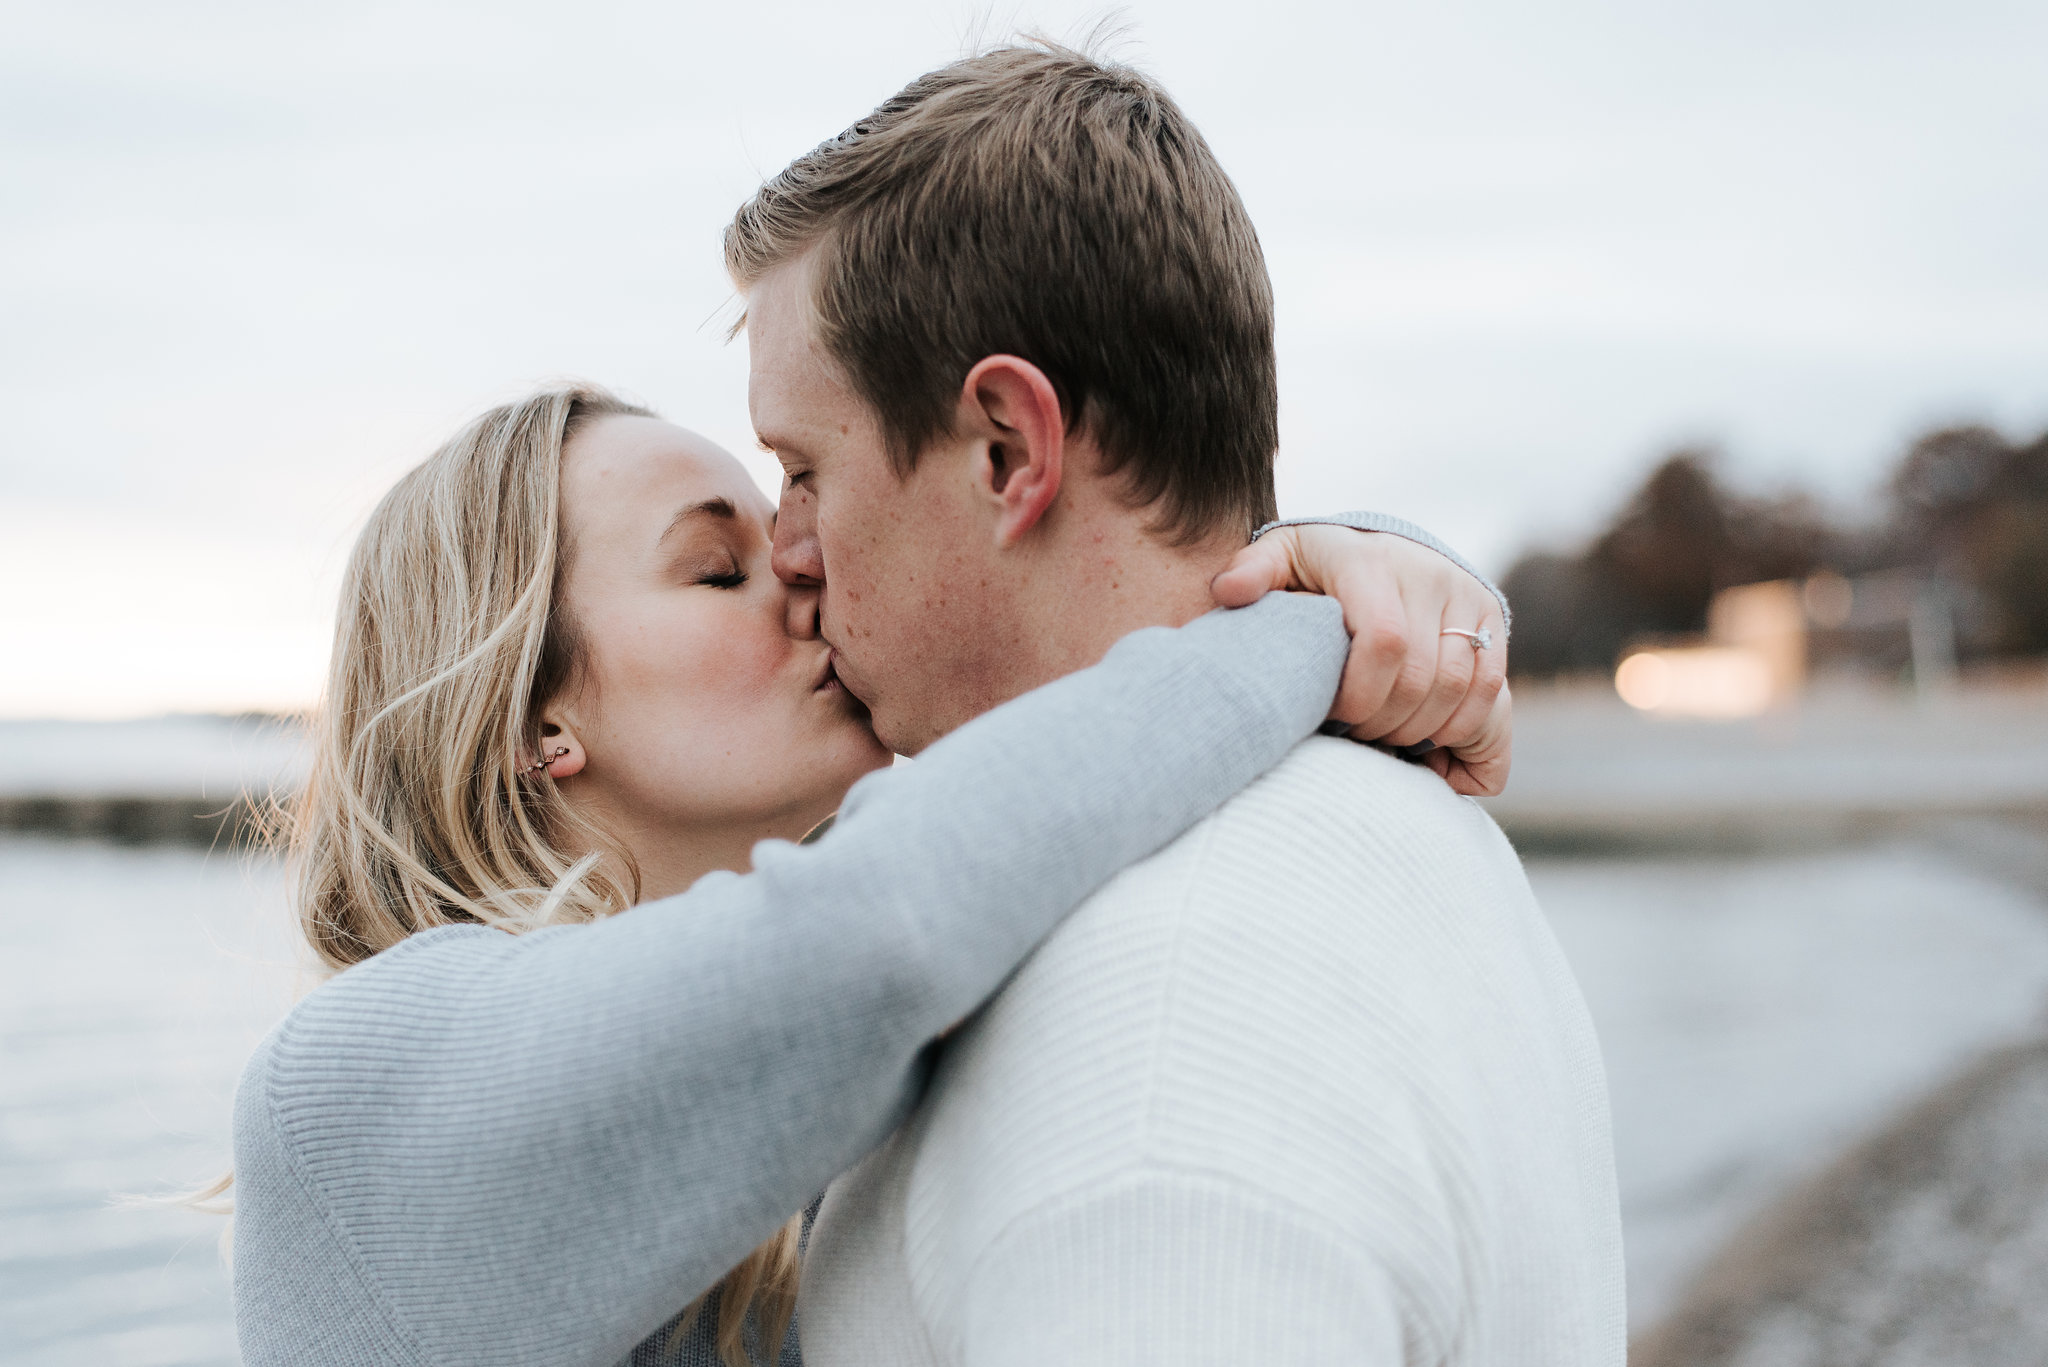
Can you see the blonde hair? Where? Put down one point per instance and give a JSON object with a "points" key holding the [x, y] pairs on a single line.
{"points": [[419, 810]]}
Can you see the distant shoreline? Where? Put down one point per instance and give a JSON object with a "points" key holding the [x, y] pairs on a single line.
{"points": [[1849, 763], [134, 820]]}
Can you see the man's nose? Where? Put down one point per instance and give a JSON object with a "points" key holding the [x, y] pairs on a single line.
{"points": [[796, 560], [798, 563]]}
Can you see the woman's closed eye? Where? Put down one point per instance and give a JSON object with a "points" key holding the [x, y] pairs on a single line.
{"points": [[731, 576]]}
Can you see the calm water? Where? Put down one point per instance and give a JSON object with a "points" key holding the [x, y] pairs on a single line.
{"points": [[132, 984], [1756, 1016]]}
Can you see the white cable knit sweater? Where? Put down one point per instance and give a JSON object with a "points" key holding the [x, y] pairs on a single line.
{"points": [[1313, 1085]]}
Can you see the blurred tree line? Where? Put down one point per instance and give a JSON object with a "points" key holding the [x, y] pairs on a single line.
{"points": [[1966, 512]]}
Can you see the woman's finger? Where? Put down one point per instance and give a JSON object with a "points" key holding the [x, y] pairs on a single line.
{"points": [[1381, 637], [1482, 669], [1480, 768], [1255, 571], [1455, 667], [1467, 726], [1406, 655]]}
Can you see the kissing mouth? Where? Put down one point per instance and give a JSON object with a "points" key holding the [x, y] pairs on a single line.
{"points": [[828, 674], [829, 681]]}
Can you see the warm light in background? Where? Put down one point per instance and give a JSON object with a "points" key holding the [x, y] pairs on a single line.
{"points": [[1696, 681], [1754, 658]]}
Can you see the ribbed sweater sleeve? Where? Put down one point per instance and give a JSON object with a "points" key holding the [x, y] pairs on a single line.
{"points": [[488, 1149]]}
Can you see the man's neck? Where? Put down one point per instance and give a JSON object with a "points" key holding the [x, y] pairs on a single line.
{"points": [[1113, 578]]}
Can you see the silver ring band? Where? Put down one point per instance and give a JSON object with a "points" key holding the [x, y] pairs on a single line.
{"points": [[1480, 639]]}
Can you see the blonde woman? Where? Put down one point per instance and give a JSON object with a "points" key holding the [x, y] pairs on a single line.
{"points": [[594, 1043]]}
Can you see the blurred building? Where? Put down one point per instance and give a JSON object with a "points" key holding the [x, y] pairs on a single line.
{"points": [[1717, 591], [1753, 658]]}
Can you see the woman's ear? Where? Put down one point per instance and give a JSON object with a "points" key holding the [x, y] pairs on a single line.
{"points": [[1012, 406], [561, 754]]}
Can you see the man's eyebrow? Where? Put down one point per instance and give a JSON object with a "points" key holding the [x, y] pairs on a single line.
{"points": [[710, 507], [778, 445]]}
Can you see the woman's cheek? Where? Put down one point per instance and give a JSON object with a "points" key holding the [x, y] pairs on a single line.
{"points": [[740, 664]]}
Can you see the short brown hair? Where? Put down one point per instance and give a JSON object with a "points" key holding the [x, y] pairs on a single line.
{"points": [[1036, 202]]}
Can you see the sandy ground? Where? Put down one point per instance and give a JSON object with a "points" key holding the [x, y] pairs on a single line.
{"points": [[1760, 1015], [1926, 1246]]}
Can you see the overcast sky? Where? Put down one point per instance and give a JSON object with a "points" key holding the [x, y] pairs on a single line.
{"points": [[256, 259]]}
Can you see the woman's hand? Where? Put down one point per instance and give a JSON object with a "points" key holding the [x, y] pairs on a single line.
{"points": [[1405, 681]]}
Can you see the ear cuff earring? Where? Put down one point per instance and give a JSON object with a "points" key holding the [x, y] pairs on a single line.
{"points": [[540, 766]]}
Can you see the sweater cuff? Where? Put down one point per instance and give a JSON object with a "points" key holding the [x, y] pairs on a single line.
{"points": [[1407, 531]]}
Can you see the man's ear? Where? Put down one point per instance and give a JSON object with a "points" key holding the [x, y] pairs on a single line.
{"points": [[561, 754], [1012, 410]]}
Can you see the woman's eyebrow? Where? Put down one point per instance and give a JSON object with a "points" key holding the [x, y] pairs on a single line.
{"points": [[710, 507]]}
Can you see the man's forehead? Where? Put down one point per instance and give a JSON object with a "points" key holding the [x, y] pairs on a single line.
{"points": [[778, 319], [794, 391], [782, 418], [773, 344]]}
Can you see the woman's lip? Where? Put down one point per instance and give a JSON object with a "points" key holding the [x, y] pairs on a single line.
{"points": [[828, 677]]}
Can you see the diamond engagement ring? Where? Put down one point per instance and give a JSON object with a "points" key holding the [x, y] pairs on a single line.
{"points": [[1480, 639]]}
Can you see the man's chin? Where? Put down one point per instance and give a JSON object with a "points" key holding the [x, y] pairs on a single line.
{"points": [[902, 729], [858, 705], [896, 741], [892, 731]]}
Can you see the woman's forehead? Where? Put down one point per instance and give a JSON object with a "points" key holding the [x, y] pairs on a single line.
{"points": [[634, 468]]}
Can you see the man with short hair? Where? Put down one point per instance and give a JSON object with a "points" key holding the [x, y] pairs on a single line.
{"points": [[1314, 1084]]}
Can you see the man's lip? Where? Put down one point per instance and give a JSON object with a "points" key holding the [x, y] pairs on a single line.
{"points": [[831, 675]]}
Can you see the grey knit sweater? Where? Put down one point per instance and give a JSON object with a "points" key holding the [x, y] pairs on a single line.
{"points": [[481, 1148]]}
